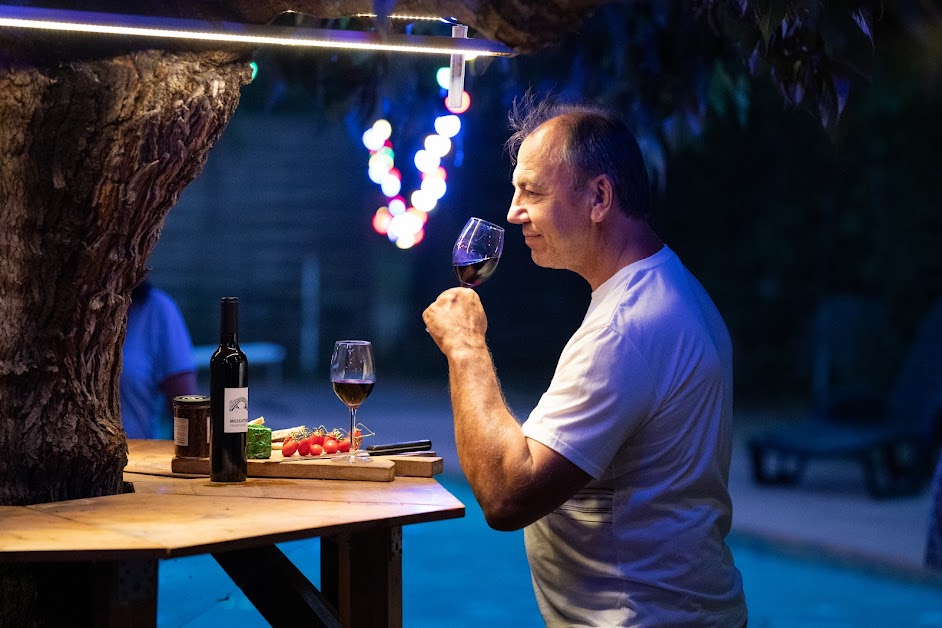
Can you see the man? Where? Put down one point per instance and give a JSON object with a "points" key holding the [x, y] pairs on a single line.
{"points": [[619, 475]]}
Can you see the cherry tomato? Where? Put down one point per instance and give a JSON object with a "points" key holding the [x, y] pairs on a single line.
{"points": [[304, 446], [330, 446], [289, 447], [317, 438], [316, 449], [343, 445]]}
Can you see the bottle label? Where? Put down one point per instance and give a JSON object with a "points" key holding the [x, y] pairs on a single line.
{"points": [[235, 411], [181, 431]]}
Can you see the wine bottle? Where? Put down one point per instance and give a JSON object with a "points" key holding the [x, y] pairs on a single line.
{"points": [[229, 399]]}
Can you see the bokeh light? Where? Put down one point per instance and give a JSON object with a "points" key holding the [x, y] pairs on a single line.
{"points": [[421, 215], [426, 161], [465, 104], [397, 206], [434, 187], [443, 77], [439, 173], [382, 128], [372, 140], [423, 201], [438, 145], [381, 161], [381, 220], [390, 185], [448, 126]]}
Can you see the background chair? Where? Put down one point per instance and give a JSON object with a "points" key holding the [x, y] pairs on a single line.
{"points": [[895, 437]]}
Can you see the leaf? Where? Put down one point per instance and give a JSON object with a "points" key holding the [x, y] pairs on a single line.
{"points": [[796, 92], [863, 22], [770, 18], [841, 92], [827, 103], [755, 58]]}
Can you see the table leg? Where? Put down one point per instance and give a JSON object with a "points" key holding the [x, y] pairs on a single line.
{"points": [[126, 592], [277, 588], [361, 575]]}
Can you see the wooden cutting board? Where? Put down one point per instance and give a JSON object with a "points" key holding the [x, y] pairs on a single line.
{"points": [[301, 468], [382, 469]]}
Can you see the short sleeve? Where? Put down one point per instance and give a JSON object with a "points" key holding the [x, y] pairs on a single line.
{"points": [[174, 352], [600, 393]]}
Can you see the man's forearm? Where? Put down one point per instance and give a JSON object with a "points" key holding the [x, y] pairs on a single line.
{"points": [[491, 446], [516, 480]]}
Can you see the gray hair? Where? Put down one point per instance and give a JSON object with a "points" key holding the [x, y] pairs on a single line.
{"points": [[598, 141]]}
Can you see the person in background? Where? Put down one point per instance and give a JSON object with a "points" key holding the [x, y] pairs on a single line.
{"points": [[619, 475], [158, 362]]}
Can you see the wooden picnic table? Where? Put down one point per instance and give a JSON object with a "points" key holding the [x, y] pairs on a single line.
{"points": [[169, 515]]}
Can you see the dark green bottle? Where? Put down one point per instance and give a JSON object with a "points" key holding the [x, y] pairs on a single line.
{"points": [[229, 399]]}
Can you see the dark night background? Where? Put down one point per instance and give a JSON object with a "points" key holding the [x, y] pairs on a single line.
{"points": [[772, 212]]}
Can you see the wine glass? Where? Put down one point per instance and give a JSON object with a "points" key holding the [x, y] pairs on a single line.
{"points": [[353, 375], [477, 251]]}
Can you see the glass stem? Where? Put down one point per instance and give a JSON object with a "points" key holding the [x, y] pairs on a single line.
{"points": [[353, 427]]}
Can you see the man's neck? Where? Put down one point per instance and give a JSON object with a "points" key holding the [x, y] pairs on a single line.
{"points": [[634, 240]]}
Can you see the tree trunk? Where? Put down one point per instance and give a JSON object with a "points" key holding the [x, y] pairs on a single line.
{"points": [[93, 154]]}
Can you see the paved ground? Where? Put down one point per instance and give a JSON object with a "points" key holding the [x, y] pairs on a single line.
{"points": [[829, 510]]}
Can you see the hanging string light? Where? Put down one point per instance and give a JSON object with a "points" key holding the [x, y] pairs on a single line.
{"points": [[401, 221]]}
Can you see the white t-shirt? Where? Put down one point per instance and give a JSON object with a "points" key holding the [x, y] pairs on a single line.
{"points": [[642, 401]]}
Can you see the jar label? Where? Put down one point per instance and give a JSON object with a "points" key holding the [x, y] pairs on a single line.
{"points": [[235, 410], [181, 431]]}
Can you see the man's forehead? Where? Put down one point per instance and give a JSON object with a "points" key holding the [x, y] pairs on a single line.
{"points": [[521, 176], [539, 151]]}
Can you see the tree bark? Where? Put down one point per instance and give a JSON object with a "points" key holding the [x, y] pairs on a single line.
{"points": [[94, 151]]}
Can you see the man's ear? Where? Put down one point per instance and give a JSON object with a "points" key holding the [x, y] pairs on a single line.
{"points": [[602, 197]]}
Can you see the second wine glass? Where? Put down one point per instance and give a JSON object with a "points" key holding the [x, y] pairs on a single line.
{"points": [[353, 375], [477, 251]]}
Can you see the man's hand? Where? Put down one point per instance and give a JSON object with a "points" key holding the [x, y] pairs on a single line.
{"points": [[522, 480], [456, 321]]}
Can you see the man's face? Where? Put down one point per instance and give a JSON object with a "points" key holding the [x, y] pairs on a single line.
{"points": [[553, 212]]}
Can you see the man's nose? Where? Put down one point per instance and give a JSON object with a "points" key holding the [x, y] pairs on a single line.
{"points": [[516, 215]]}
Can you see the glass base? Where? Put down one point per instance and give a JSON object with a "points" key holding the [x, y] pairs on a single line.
{"points": [[355, 457]]}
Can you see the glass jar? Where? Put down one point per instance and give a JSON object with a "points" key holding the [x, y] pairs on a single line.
{"points": [[191, 426]]}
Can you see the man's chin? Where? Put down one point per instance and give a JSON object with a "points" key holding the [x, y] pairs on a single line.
{"points": [[541, 260]]}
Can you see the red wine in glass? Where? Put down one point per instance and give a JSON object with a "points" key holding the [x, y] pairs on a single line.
{"points": [[353, 375], [477, 252], [353, 392], [476, 272]]}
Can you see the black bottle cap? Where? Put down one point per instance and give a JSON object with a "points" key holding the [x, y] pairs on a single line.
{"points": [[229, 315]]}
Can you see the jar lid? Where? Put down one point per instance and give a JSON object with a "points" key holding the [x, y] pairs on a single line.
{"points": [[191, 399]]}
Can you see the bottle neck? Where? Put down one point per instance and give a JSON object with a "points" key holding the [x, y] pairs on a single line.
{"points": [[229, 321]]}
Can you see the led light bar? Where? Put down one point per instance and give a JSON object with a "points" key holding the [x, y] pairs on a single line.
{"points": [[232, 32], [410, 18]]}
